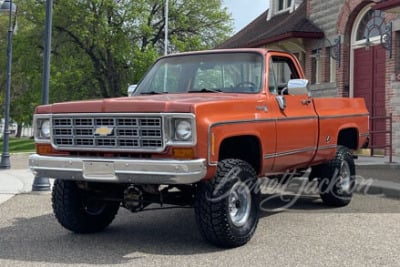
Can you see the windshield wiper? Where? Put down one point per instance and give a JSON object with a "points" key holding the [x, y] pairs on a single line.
{"points": [[206, 90], [153, 93]]}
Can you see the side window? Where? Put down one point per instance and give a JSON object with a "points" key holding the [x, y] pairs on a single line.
{"points": [[284, 71]]}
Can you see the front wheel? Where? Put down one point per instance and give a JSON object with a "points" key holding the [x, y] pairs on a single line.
{"points": [[78, 210], [337, 178], [227, 207]]}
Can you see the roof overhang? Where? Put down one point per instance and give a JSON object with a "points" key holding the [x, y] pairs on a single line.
{"points": [[391, 6], [285, 36]]}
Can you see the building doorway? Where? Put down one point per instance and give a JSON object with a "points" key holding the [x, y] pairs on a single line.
{"points": [[369, 83], [369, 70]]}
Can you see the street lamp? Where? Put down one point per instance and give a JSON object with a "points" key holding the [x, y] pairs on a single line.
{"points": [[11, 8], [43, 183]]}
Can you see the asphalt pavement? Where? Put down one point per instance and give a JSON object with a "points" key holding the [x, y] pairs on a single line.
{"points": [[364, 233], [305, 233], [375, 175]]}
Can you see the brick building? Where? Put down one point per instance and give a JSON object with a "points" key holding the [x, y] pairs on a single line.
{"points": [[348, 48]]}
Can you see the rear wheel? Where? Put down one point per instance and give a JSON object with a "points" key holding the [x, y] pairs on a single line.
{"points": [[78, 210], [227, 207], [337, 178]]}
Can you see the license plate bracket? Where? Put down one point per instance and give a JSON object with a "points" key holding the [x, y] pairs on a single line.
{"points": [[99, 170]]}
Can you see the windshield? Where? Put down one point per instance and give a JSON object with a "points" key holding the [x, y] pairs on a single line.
{"points": [[214, 73]]}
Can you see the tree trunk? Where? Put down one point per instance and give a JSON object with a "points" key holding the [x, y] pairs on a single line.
{"points": [[19, 130]]}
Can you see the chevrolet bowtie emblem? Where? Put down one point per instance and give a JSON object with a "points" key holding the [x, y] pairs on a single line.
{"points": [[103, 131]]}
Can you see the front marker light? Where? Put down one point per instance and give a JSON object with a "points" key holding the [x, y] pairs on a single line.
{"points": [[183, 130]]}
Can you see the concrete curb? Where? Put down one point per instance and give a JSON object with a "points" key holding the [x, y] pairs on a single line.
{"points": [[384, 186], [393, 166], [380, 188]]}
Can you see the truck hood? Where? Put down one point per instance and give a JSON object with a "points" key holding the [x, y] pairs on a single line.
{"points": [[184, 103]]}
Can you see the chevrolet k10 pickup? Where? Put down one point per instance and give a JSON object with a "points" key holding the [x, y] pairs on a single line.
{"points": [[200, 130]]}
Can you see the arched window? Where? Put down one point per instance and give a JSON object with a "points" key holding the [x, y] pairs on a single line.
{"points": [[371, 25]]}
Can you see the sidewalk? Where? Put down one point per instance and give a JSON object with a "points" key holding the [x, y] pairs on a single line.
{"points": [[378, 162], [16, 180], [377, 176], [385, 176]]}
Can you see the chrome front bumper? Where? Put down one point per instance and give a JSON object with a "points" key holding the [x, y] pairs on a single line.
{"points": [[136, 171]]}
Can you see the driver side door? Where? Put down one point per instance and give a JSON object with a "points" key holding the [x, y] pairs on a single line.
{"points": [[297, 123]]}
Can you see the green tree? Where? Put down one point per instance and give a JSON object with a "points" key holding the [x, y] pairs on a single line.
{"points": [[25, 68], [99, 47], [122, 38]]}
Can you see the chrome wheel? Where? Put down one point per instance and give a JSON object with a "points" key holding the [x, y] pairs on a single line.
{"points": [[239, 204], [344, 178], [337, 178]]}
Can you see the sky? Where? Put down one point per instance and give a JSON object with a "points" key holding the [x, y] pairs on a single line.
{"points": [[245, 11]]}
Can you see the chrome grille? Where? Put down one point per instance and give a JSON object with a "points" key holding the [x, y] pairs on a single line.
{"points": [[111, 132]]}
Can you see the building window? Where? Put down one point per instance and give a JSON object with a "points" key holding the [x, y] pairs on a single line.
{"points": [[330, 66], [371, 25], [316, 66], [332, 70], [397, 55], [280, 6], [284, 5]]}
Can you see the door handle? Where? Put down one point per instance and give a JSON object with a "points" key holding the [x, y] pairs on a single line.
{"points": [[262, 108], [306, 101]]}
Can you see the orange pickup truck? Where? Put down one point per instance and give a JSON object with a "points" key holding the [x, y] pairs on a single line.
{"points": [[200, 130]]}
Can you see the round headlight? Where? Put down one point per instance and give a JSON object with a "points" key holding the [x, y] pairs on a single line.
{"points": [[183, 130], [45, 129]]}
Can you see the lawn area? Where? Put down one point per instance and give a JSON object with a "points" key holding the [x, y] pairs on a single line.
{"points": [[17, 145]]}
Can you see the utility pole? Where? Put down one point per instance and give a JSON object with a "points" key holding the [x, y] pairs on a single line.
{"points": [[166, 28]]}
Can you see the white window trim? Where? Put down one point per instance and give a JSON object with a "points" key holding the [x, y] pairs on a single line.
{"points": [[317, 57], [318, 70], [332, 70], [277, 11], [274, 8]]}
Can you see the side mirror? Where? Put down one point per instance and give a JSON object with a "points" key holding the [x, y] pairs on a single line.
{"points": [[131, 89], [281, 101], [298, 87]]}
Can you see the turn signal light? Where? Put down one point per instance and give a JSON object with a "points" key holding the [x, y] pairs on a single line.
{"points": [[47, 149], [183, 153]]}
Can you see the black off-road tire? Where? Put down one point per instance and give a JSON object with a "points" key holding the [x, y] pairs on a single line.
{"points": [[227, 207], [337, 178], [77, 211]]}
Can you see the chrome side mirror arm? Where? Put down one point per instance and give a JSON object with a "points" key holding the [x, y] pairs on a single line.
{"points": [[281, 101]]}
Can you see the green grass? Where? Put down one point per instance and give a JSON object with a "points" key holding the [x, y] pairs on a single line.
{"points": [[17, 145]]}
